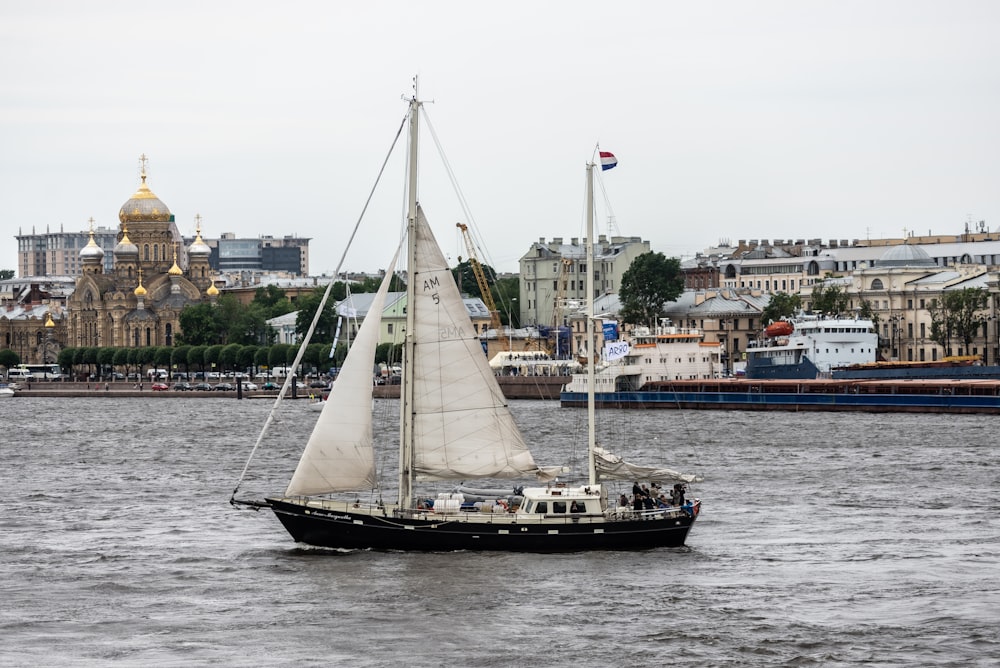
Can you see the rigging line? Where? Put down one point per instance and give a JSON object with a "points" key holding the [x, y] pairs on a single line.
{"points": [[319, 311], [463, 203]]}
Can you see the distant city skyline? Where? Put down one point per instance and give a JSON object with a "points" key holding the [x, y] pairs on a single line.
{"points": [[831, 120]]}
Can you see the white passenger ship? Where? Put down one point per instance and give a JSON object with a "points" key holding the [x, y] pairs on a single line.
{"points": [[663, 353]]}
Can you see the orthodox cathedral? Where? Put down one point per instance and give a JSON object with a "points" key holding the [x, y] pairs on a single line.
{"points": [[139, 302]]}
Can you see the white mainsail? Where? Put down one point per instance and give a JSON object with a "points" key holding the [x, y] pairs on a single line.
{"points": [[339, 455], [462, 427]]}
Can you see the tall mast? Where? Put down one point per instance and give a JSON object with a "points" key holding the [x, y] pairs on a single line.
{"points": [[591, 342], [407, 385]]}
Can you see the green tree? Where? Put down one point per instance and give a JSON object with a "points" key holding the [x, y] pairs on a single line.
{"points": [[179, 359], [505, 293], [327, 325], [372, 283], [121, 360], [261, 357], [65, 360], [250, 326], [311, 358], [8, 358], [270, 297], [339, 354], [6, 274], [247, 358], [198, 325], [867, 311], [229, 355], [942, 325], [959, 315], [196, 358], [212, 358], [162, 358], [146, 358], [829, 299], [88, 356], [277, 355], [382, 353], [651, 281], [134, 360], [465, 277], [781, 306]]}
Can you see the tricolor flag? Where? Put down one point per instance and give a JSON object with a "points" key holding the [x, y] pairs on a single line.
{"points": [[608, 160]]}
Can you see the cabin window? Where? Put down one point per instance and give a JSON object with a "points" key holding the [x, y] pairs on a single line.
{"points": [[559, 507], [542, 507]]}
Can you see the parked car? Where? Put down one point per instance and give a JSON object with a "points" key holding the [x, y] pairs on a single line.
{"points": [[319, 383], [225, 387], [159, 387], [249, 386], [202, 387], [269, 385], [182, 387]]}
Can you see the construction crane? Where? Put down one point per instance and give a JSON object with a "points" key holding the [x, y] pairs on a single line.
{"points": [[477, 269]]}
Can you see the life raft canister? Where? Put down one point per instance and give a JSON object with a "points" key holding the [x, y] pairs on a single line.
{"points": [[780, 328]]}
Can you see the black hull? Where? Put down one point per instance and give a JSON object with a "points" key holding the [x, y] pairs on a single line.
{"points": [[347, 530]]}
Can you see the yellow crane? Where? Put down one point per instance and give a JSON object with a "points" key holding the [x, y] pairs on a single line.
{"points": [[477, 269]]}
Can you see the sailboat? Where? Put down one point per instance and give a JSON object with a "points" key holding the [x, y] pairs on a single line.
{"points": [[454, 424]]}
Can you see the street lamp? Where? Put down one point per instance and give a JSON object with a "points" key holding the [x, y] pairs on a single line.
{"points": [[896, 330], [724, 339]]}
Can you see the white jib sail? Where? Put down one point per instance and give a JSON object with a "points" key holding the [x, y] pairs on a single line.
{"points": [[339, 455], [462, 426]]}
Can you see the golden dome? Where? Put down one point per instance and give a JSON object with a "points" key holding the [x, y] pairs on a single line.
{"points": [[175, 270], [144, 206], [48, 317], [140, 291], [212, 290]]}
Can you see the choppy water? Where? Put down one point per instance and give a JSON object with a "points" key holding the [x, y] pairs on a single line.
{"points": [[826, 539]]}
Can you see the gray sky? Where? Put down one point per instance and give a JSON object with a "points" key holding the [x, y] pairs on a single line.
{"points": [[730, 119]]}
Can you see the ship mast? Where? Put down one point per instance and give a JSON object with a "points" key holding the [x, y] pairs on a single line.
{"points": [[407, 385], [591, 343]]}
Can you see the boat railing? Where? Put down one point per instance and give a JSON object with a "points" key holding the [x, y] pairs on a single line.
{"points": [[624, 512]]}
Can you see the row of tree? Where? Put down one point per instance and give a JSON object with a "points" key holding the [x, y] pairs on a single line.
{"points": [[233, 357]]}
